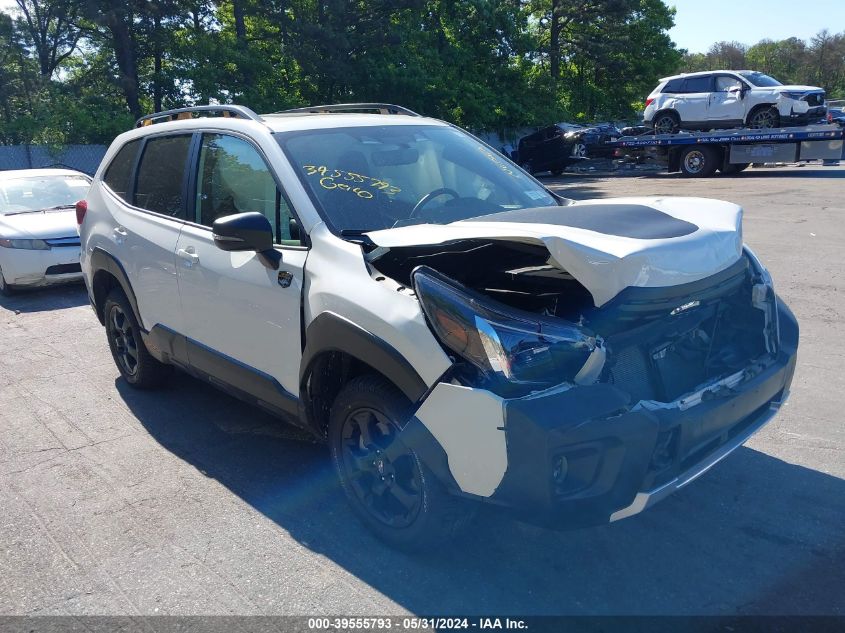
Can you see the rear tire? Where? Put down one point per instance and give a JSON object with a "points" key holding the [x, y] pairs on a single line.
{"points": [[699, 161], [389, 488], [730, 170], [130, 354], [666, 123]]}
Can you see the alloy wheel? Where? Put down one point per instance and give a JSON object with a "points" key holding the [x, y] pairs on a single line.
{"points": [[665, 125], [122, 334], [764, 119], [384, 475]]}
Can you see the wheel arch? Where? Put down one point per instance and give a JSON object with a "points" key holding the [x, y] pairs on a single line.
{"points": [[758, 107], [336, 350], [670, 111], [108, 273]]}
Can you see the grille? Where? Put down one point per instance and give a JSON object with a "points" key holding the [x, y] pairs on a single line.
{"points": [[63, 269], [631, 374], [63, 241], [815, 99]]}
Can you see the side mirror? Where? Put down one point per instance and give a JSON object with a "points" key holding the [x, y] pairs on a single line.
{"points": [[246, 232]]}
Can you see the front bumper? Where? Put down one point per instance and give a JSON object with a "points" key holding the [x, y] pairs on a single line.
{"points": [[22, 267], [588, 455], [815, 114]]}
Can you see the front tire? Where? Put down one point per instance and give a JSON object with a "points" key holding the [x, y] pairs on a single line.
{"points": [[130, 354], [389, 488], [764, 118]]}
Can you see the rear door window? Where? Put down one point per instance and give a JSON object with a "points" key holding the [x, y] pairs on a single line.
{"points": [[161, 175], [119, 171], [698, 84]]}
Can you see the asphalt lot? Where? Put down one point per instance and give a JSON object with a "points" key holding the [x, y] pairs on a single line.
{"points": [[185, 501]]}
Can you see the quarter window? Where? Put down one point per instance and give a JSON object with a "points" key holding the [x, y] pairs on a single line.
{"points": [[233, 178], [118, 172], [161, 175], [674, 86]]}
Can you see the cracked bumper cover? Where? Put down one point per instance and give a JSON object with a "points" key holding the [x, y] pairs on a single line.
{"points": [[618, 459]]}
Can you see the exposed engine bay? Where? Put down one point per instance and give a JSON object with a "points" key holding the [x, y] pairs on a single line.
{"points": [[662, 343]]}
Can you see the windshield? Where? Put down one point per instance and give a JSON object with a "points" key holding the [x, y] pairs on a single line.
{"points": [[371, 178], [761, 81], [35, 193]]}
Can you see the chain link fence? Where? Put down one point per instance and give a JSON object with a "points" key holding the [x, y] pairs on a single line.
{"points": [[84, 158]]}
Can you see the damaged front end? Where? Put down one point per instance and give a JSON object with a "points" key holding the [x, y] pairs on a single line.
{"points": [[602, 407]]}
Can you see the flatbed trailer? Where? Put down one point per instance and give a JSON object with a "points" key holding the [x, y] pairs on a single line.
{"points": [[701, 154]]}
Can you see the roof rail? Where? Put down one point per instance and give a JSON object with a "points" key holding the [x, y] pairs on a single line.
{"points": [[235, 111], [383, 108]]}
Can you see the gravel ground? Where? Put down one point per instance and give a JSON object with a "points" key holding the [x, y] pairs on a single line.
{"points": [[185, 501]]}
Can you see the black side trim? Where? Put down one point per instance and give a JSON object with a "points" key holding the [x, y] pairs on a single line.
{"points": [[330, 332], [231, 375], [102, 260]]}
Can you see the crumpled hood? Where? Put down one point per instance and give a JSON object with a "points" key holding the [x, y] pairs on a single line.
{"points": [[47, 225], [607, 246], [796, 88]]}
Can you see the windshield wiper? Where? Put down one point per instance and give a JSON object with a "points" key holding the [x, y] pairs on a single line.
{"points": [[55, 208]]}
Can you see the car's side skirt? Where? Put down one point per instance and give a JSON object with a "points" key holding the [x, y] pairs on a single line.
{"points": [[222, 371]]}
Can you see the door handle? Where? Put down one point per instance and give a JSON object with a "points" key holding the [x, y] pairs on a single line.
{"points": [[188, 255], [120, 234]]}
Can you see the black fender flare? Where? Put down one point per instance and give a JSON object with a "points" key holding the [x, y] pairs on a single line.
{"points": [[102, 260], [330, 332]]}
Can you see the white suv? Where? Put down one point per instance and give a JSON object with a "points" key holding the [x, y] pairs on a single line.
{"points": [[455, 332], [730, 98]]}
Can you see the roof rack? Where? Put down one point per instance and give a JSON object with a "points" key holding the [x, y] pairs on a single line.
{"points": [[383, 108], [236, 111]]}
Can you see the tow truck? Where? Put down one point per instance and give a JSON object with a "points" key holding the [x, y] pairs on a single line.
{"points": [[702, 154]]}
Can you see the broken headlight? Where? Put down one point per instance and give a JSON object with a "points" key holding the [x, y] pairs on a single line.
{"points": [[515, 352], [763, 298]]}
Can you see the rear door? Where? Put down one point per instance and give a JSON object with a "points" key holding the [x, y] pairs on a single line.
{"points": [[693, 104], [242, 318], [147, 219], [726, 100]]}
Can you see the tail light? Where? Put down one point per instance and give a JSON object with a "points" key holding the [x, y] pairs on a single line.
{"points": [[649, 101], [830, 117], [81, 209]]}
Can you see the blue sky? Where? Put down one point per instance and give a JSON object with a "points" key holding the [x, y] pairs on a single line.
{"points": [[699, 23]]}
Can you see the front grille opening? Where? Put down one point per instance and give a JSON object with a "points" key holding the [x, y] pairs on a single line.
{"points": [[686, 341], [63, 269]]}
